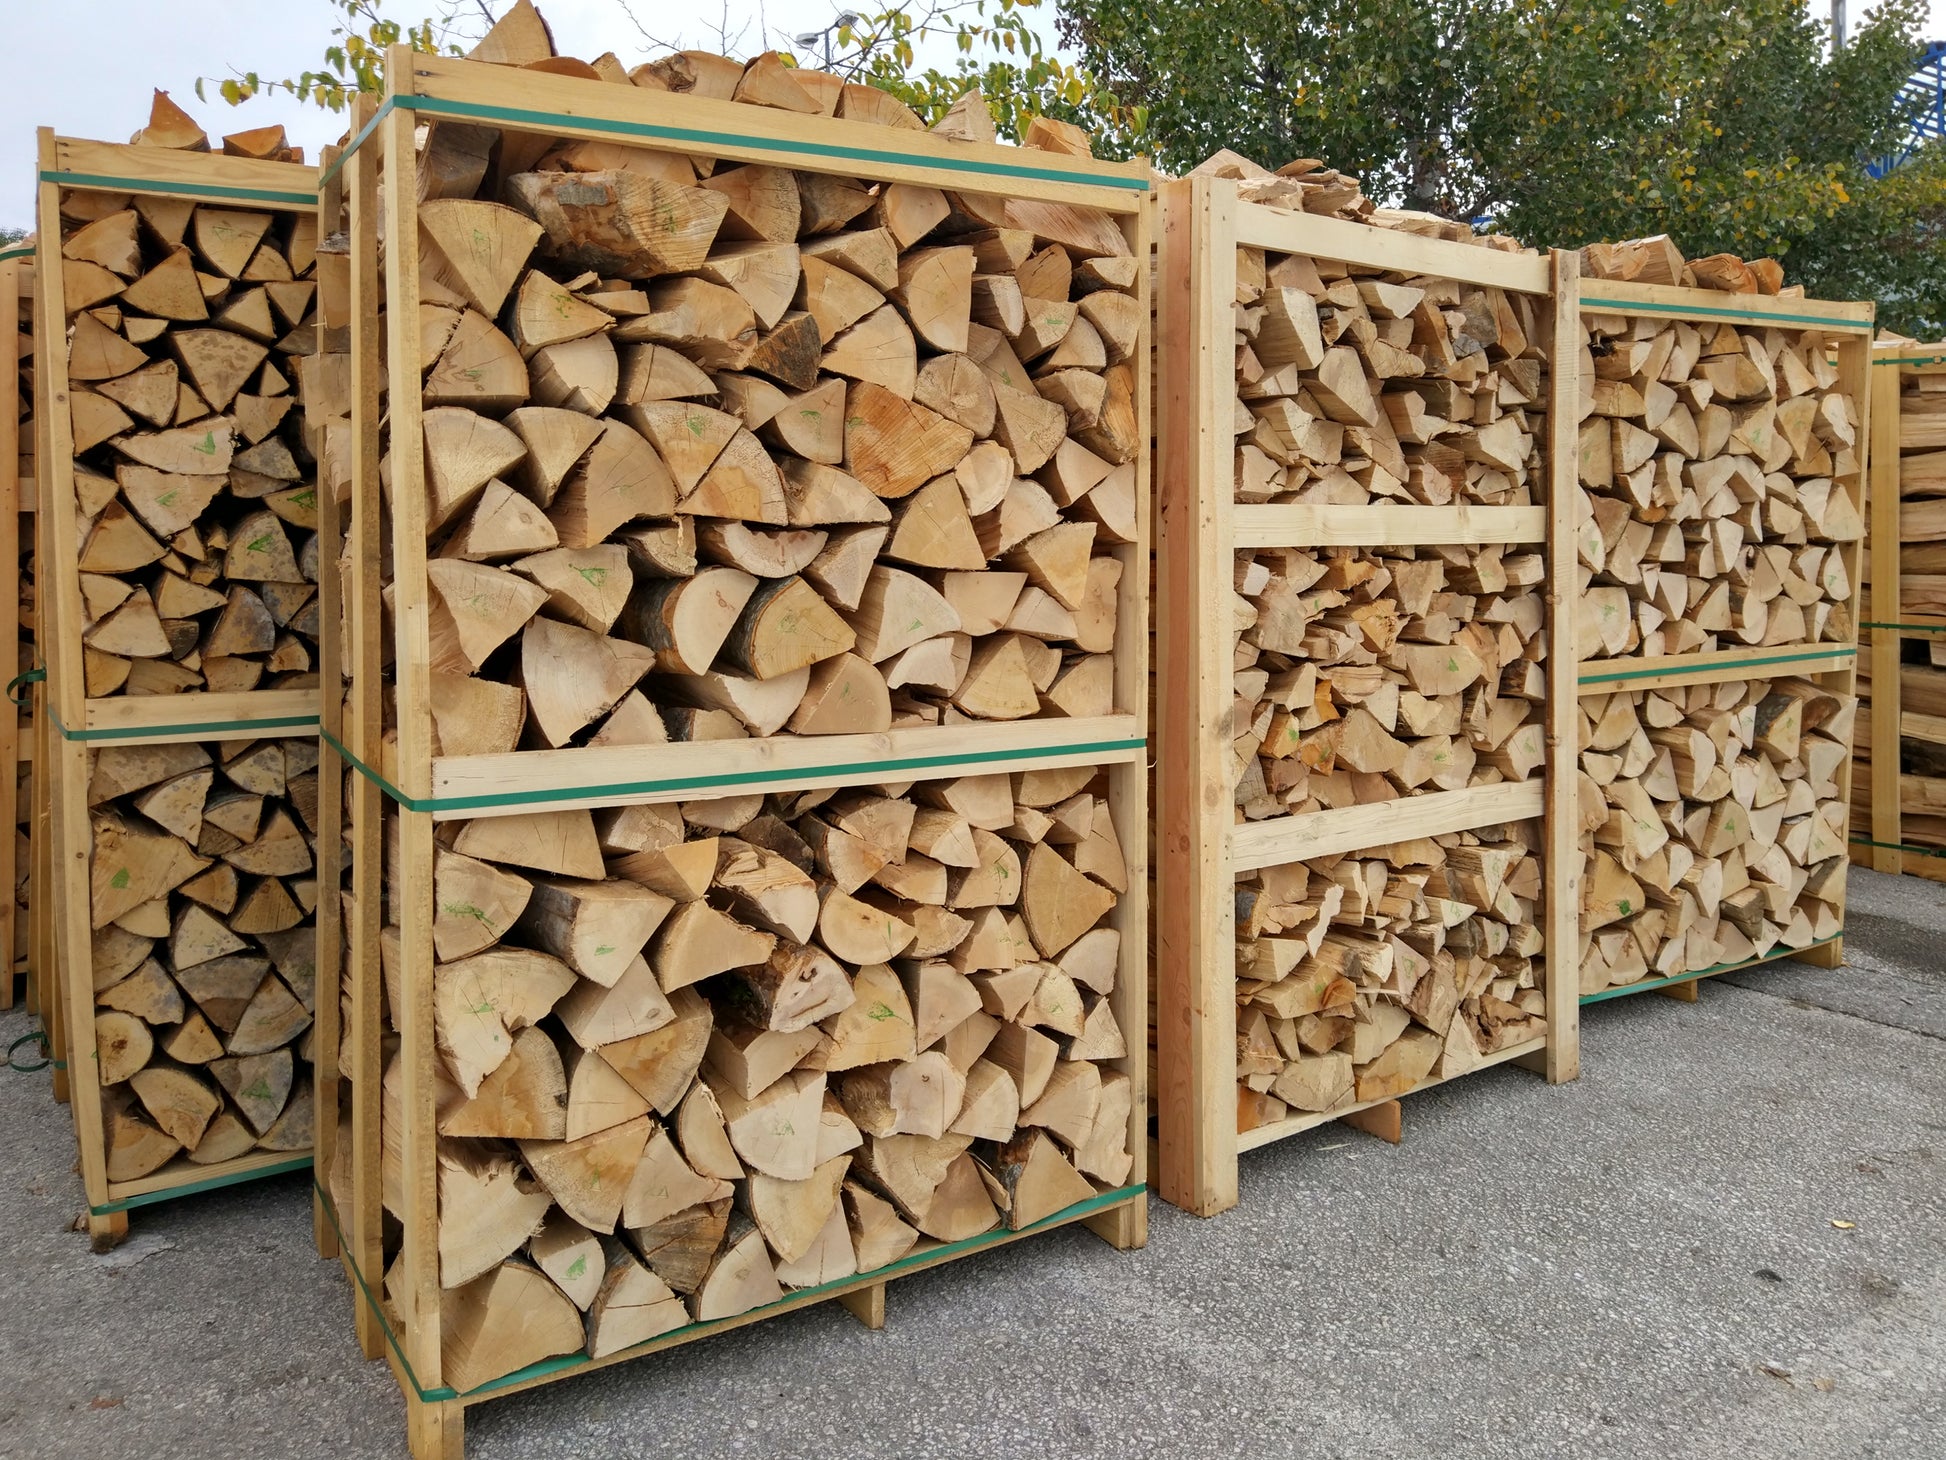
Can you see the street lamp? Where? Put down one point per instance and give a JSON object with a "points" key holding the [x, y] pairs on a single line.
{"points": [[822, 38]]}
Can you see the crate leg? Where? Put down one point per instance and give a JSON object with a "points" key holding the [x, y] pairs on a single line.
{"points": [[1123, 1228], [371, 1332], [867, 1305], [61, 1087], [1685, 992], [1385, 1120], [1831, 955], [106, 1233], [322, 1232], [435, 1430]]}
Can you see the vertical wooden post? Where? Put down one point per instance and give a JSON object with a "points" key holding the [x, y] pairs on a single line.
{"points": [[330, 957], [9, 615], [1855, 374], [1561, 874], [418, 1292], [59, 603], [1195, 1020], [1127, 1226], [1882, 512]]}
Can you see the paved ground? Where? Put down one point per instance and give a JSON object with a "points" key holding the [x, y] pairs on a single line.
{"points": [[1643, 1264]]}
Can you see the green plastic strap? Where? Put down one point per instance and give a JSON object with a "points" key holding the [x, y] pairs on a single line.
{"points": [[1865, 841], [888, 770], [21, 251], [1908, 628], [1764, 316], [1837, 652], [1659, 983], [188, 190], [1879, 360], [711, 140], [797, 1298], [32, 1036], [208, 1183], [31, 676], [188, 727], [364, 132]]}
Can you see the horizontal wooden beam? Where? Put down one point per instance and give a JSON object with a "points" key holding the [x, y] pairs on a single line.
{"points": [[1260, 226], [175, 719], [1281, 839], [164, 171], [568, 106], [523, 782], [1606, 676], [1929, 728], [1610, 296], [1384, 525]]}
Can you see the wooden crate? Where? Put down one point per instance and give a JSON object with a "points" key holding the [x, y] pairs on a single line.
{"points": [[1202, 850], [1902, 624], [90, 177], [400, 793], [1823, 336]]}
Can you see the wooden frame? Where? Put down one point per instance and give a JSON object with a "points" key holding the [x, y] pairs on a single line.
{"points": [[1878, 823], [16, 725], [1831, 666], [73, 721], [407, 780], [1200, 851]]}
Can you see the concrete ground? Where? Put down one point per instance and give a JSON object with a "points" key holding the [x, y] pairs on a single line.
{"points": [[1728, 1239]]}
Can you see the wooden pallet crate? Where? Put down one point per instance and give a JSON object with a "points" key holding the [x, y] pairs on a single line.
{"points": [[403, 793], [1799, 665], [1893, 810], [175, 193], [1204, 539]]}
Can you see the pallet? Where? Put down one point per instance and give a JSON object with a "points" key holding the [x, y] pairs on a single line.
{"points": [[1880, 805], [70, 724], [403, 786], [16, 499], [1201, 851], [1831, 666]]}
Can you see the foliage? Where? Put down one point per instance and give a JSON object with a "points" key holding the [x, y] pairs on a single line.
{"points": [[10, 236], [1727, 125], [354, 61]]}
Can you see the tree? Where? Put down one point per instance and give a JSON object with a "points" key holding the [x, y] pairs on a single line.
{"points": [[1726, 125]]}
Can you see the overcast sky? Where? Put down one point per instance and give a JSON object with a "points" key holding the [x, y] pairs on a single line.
{"points": [[85, 67]]}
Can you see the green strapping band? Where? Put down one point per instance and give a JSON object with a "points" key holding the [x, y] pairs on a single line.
{"points": [[796, 1298], [23, 251], [1865, 841], [1660, 983], [30, 676], [352, 146], [1908, 628], [1880, 360], [1839, 652], [187, 190], [889, 770], [698, 138], [209, 1183], [1633, 306], [188, 727]]}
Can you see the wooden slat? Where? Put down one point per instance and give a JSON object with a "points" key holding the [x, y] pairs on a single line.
{"points": [[291, 186], [569, 107], [1362, 828], [1882, 514], [13, 743], [176, 719], [1259, 226], [1611, 296], [1636, 672], [1301, 525]]}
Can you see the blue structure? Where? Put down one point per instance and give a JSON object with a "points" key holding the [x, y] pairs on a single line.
{"points": [[1926, 86]]}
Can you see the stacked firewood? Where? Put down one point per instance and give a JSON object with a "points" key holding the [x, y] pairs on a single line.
{"points": [[1714, 459], [1657, 260], [1922, 595], [1308, 185], [693, 1056], [812, 455], [1364, 674], [1713, 825], [1364, 976], [197, 496], [204, 950], [1356, 386]]}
